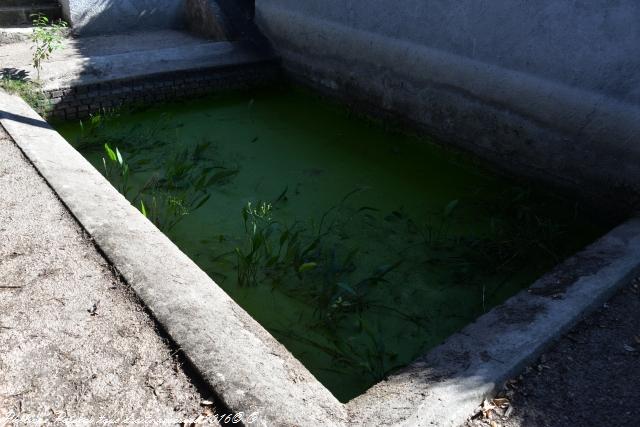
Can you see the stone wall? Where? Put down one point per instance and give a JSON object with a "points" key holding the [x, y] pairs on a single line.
{"points": [[547, 89], [79, 102]]}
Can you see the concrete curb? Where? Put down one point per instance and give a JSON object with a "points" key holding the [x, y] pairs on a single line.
{"points": [[252, 372]]}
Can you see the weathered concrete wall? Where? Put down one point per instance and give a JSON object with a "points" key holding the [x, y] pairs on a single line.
{"points": [[112, 16], [214, 19], [220, 19], [205, 18], [549, 89]]}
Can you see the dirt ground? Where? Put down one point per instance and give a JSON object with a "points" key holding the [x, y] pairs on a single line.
{"points": [[590, 377], [75, 344]]}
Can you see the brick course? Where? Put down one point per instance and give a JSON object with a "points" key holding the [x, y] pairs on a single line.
{"points": [[80, 102]]}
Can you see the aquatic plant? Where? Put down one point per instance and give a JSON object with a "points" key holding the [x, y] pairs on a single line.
{"points": [[95, 123], [515, 234], [166, 210], [170, 194], [307, 264], [188, 169], [101, 127], [116, 170], [177, 190], [272, 249], [374, 359], [258, 225], [315, 262], [346, 297], [166, 189]]}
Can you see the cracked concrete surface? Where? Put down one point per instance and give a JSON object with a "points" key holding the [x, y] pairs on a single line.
{"points": [[74, 341]]}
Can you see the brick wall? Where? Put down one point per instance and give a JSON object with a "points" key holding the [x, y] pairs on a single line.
{"points": [[79, 102]]}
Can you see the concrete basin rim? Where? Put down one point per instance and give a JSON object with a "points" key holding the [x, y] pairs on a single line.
{"points": [[335, 412]]}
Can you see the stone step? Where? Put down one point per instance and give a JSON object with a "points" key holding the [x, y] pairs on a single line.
{"points": [[14, 35], [15, 16], [215, 57], [20, 34]]}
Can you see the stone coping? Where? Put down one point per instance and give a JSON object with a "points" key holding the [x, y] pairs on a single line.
{"points": [[72, 72]]}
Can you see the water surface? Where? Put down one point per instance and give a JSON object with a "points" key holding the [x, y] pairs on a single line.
{"points": [[356, 247]]}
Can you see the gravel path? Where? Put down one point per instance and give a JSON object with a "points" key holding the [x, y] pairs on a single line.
{"points": [[74, 341], [591, 377]]}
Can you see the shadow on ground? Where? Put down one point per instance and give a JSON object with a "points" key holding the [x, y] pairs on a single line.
{"points": [[588, 378]]}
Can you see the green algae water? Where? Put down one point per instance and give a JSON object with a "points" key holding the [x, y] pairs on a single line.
{"points": [[357, 248]]}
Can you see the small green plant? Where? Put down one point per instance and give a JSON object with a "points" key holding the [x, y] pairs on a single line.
{"points": [[47, 37], [308, 263], [166, 210], [116, 170], [164, 189], [259, 227], [90, 127], [181, 186], [18, 84], [168, 195]]}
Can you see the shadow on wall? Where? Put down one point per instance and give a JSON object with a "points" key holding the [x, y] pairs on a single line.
{"points": [[215, 19], [221, 19], [114, 16]]}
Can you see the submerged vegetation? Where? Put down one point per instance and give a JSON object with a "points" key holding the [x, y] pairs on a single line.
{"points": [[358, 258], [306, 262], [169, 192], [309, 264], [319, 267]]}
